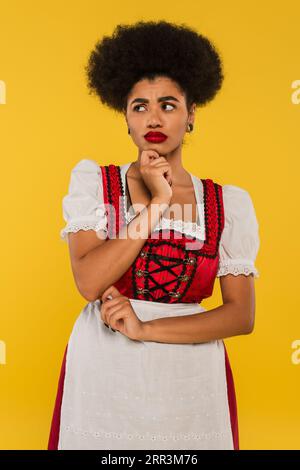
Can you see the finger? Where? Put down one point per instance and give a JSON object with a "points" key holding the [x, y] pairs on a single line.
{"points": [[167, 173], [116, 314], [158, 160], [153, 156], [114, 301], [111, 290], [148, 155], [116, 317], [168, 176], [103, 315], [103, 312], [107, 307], [162, 166]]}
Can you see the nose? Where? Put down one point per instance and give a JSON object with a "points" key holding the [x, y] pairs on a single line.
{"points": [[154, 119], [153, 123]]}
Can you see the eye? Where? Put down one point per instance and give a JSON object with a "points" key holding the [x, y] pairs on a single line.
{"points": [[169, 104], [164, 104], [137, 106]]}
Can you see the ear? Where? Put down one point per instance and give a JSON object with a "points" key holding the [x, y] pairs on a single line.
{"points": [[191, 114], [192, 109]]}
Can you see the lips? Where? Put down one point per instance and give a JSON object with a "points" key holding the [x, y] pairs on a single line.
{"points": [[155, 137]]}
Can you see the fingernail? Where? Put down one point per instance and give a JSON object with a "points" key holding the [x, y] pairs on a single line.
{"points": [[106, 325], [113, 329]]}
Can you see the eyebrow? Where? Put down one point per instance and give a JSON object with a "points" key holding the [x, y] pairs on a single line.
{"points": [[162, 98]]}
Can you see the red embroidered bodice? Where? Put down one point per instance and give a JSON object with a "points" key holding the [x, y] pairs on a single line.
{"points": [[168, 269]]}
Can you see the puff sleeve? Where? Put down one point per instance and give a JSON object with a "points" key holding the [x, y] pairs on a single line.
{"points": [[239, 241], [83, 206]]}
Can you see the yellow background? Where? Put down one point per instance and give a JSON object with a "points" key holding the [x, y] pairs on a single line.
{"points": [[247, 137]]}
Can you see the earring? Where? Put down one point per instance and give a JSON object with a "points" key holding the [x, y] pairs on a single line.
{"points": [[128, 130]]}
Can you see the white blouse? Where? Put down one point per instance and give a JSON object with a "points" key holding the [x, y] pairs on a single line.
{"points": [[84, 209]]}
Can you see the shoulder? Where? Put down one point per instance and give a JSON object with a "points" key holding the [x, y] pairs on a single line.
{"points": [[239, 213], [229, 190], [234, 197], [232, 189], [85, 177], [237, 199], [83, 205], [86, 165]]}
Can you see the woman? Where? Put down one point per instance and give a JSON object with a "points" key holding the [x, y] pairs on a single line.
{"points": [[146, 366]]}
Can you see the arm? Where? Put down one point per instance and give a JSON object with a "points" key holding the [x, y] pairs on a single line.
{"points": [[98, 263], [234, 317]]}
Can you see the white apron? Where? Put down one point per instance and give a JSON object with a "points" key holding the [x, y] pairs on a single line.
{"points": [[126, 394]]}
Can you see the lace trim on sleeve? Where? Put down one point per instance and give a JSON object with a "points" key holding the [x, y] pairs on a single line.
{"points": [[236, 267], [75, 226]]}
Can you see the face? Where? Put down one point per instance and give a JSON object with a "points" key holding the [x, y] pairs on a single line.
{"points": [[169, 116]]}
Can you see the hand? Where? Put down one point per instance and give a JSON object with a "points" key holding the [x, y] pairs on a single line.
{"points": [[157, 174], [118, 313]]}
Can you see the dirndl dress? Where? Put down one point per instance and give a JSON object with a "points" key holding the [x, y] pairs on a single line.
{"points": [[119, 393]]}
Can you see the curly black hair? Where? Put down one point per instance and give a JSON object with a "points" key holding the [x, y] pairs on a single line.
{"points": [[150, 49]]}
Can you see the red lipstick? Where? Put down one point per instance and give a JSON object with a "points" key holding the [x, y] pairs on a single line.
{"points": [[155, 137]]}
